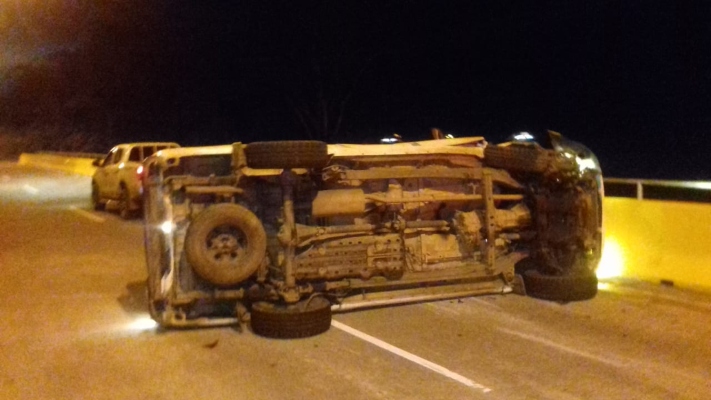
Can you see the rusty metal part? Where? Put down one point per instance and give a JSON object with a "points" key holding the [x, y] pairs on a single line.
{"points": [[408, 172], [450, 197], [288, 232], [329, 203], [416, 295], [222, 189], [489, 219], [359, 256]]}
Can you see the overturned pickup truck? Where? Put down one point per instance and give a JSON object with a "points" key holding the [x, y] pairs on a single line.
{"points": [[284, 233]]}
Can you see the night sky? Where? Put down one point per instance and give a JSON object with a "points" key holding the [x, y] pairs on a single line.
{"points": [[630, 79]]}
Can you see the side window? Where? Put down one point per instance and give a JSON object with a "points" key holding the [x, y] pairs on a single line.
{"points": [[135, 154], [118, 155], [114, 157], [109, 158], [148, 151]]}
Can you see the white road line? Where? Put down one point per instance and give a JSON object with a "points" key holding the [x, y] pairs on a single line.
{"points": [[411, 357], [30, 189], [485, 302], [441, 308], [87, 214], [549, 343]]}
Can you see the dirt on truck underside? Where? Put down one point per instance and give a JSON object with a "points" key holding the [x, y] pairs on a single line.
{"points": [[362, 225]]}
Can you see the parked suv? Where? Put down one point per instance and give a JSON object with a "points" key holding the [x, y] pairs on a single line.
{"points": [[288, 232], [118, 176]]}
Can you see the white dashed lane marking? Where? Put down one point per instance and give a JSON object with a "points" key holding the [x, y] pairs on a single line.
{"points": [[605, 360]]}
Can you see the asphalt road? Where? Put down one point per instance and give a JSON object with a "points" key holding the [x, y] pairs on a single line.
{"points": [[75, 327]]}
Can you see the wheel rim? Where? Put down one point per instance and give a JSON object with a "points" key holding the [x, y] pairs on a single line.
{"points": [[227, 245]]}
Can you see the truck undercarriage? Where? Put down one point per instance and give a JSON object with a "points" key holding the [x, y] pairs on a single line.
{"points": [[287, 232]]}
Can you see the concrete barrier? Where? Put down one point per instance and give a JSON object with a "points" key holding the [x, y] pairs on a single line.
{"points": [[658, 241], [73, 165]]}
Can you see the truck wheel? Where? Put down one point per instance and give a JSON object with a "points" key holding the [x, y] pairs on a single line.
{"points": [[581, 286], [96, 203], [305, 318], [516, 158], [125, 210], [287, 154], [225, 244]]}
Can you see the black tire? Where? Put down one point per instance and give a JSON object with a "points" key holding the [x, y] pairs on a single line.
{"points": [[225, 244], [287, 154], [581, 286], [96, 203], [524, 265], [517, 158], [306, 318], [125, 210]]}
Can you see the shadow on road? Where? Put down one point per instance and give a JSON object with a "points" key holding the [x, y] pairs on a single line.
{"points": [[134, 299]]}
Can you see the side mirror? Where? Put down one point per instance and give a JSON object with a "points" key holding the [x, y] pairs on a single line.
{"points": [[97, 162]]}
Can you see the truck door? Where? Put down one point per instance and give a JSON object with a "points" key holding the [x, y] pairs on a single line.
{"points": [[111, 170]]}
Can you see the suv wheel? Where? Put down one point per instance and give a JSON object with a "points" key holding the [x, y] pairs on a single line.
{"points": [[125, 204], [564, 288], [96, 203], [305, 318]]}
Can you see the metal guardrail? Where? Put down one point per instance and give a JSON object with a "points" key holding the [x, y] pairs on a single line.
{"points": [[648, 189]]}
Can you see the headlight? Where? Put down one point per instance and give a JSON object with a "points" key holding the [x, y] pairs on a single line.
{"points": [[584, 158], [167, 227]]}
